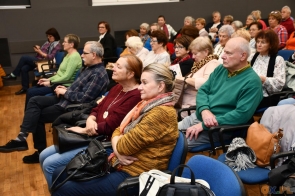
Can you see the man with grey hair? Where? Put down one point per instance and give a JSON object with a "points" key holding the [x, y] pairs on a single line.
{"points": [[91, 83], [229, 97], [286, 19], [224, 35], [213, 27]]}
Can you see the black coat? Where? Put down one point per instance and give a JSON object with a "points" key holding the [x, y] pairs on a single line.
{"points": [[109, 45]]}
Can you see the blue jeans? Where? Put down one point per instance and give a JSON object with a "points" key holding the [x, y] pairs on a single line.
{"points": [[287, 101], [25, 64], [106, 185], [37, 90], [50, 159]]}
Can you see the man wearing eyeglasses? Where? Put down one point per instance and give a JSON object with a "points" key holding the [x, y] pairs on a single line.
{"points": [[287, 22], [91, 82]]}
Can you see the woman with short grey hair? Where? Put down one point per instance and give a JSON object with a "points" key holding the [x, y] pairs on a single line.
{"points": [[144, 36], [135, 47], [237, 24]]}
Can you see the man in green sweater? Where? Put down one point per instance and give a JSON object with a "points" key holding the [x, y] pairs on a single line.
{"points": [[229, 97]]}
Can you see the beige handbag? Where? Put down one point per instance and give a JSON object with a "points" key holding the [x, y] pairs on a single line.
{"points": [[263, 142], [45, 66]]}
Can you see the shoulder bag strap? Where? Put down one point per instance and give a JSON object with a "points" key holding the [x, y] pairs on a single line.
{"points": [[254, 58]]}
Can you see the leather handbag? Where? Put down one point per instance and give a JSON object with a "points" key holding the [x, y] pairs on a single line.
{"points": [[65, 140], [264, 143], [86, 165], [179, 86]]}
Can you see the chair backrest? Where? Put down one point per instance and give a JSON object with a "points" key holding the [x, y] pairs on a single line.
{"points": [[285, 54], [179, 153], [222, 179], [119, 51], [59, 56]]}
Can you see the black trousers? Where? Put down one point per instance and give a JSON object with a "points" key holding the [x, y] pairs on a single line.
{"points": [[40, 110]]}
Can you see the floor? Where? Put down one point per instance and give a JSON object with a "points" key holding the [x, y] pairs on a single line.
{"points": [[17, 178]]}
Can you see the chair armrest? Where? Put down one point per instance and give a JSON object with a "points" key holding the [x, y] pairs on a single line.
{"points": [[189, 109], [274, 157], [128, 183]]}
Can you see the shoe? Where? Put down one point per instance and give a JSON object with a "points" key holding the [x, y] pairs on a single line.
{"points": [[21, 91], [14, 145], [34, 158], [8, 77]]}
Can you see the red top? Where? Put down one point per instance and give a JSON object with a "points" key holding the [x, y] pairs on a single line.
{"points": [[117, 111]]}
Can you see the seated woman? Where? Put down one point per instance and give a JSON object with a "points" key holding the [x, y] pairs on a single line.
{"points": [[135, 47], [130, 33], [268, 65], [242, 33], [158, 53], [106, 116], [224, 35], [254, 28], [168, 29], [237, 25], [183, 58], [145, 139], [144, 36], [200, 25], [188, 21], [107, 40], [228, 19], [250, 18], [71, 63], [27, 63], [274, 19], [257, 15], [205, 63]]}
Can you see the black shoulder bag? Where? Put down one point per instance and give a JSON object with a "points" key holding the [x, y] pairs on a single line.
{"points": [[86, 165]]}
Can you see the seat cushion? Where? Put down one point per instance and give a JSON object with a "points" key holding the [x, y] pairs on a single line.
{"points": [[255, 175]]}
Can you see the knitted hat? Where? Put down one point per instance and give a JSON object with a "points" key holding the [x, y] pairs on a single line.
{"points": [[239, 155]]}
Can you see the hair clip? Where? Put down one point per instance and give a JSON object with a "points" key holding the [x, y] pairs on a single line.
{"points": [[173, 74]]}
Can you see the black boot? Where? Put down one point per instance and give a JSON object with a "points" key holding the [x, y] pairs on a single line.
{"points": [[14, 145], [9, 77]]}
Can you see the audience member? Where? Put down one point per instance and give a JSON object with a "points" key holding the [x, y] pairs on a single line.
{"points": [[205, 63], [200, 25], [250, 18], [158, 54], [68, 68], [169, 31], [274, 19], [290, 44], [190, 31], [225, 33], [214, 26], [229, 97], [254, 28], [107, 40], [154, 27], [92, 81], [27, 63], [237, 24], [286, 21], [257, 15], [144, 36], [268, 65], [130, 33], [138, 144], [183, 58], [119, 101], [228, 19], [188, 21], [135, 47], [242, 33]]}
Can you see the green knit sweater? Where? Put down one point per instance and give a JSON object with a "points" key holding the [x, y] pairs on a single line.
{"points": [[68, 68], [232, 100]]}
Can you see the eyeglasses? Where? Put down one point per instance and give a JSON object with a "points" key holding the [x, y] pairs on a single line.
{"points": [[253, 30], [101, 27], [274, 12], [154, 40], [178, 47], [86, 53], [65, 42]]}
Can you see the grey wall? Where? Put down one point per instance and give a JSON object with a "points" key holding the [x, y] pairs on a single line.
{"points": [[25, 28]]}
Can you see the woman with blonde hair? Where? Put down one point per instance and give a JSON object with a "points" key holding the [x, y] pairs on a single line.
{"points": [[257, 15], [135, 47], [200, 25], [138, 144]]}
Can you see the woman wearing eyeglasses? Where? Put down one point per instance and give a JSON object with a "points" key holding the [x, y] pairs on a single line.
{"points": [[204, 65], [274, 19], [158, 54], [107, 40], [182, 53]]}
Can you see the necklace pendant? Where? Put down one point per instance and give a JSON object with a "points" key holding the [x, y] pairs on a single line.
{"points": [[105, 114]]}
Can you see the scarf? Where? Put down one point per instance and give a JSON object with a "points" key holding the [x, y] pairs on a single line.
{"points": [[239, 155], [179, 60], [138, 112], [203, 62], [165, 29], [51, 46], [144, 38]]}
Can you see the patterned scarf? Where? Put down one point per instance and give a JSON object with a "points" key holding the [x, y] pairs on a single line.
{"points": [[179, 60], [137, 113], [203, 62]]}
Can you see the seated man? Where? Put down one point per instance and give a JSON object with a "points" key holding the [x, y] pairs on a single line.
{"points": [[92, 81], [229, 97]]}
